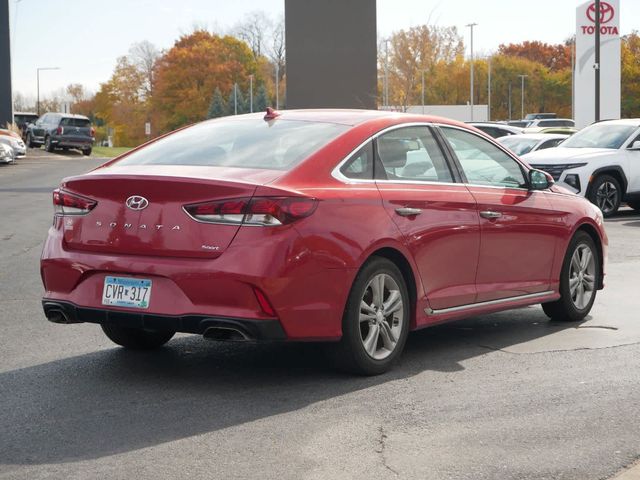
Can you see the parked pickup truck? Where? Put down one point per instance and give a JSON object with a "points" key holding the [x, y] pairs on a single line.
{"points": [[61, 130]]}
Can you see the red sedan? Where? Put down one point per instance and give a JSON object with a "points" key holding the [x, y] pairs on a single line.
{"points": [[353, 227]]}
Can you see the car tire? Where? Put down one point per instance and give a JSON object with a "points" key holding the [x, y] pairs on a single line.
{"points": [[29, 141], [606, 194], [137, 338], [86, 152], [634, 205], [580, 275], [371, 341], [47, 144]]}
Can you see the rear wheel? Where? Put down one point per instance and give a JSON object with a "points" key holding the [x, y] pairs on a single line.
{"points": [[86, 151], [578, 281], [137, 338], [606, 194], [375, 324], [29, 141], [47, 144]]}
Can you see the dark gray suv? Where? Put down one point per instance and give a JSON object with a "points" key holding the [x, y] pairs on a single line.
{"points": [[61, 130]]}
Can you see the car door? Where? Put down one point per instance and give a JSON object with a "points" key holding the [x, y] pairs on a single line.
{"points": [[633, 167], [517, 224], [38, 128], [437, 216]]}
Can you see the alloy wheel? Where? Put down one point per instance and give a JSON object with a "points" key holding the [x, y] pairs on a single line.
{"points": [[607, 197], [582, 278], [381, 316]]}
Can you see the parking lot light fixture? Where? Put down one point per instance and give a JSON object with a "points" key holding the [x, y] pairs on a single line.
{"points": [[38, 70]]}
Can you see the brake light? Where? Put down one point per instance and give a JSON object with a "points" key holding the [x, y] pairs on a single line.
{"points": [[263, 211], [93, 132], [66, 203], [59, 130]]}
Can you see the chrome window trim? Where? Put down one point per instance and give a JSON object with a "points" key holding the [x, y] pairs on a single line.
{"points": [[488, 303], [338, 175]]}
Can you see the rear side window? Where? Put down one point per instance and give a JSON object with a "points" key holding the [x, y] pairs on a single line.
{"points": [[360, 165], [412, 154], [244, 143], [75, 122]]}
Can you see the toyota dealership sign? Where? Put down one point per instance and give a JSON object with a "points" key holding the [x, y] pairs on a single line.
{"points": [[609, 61]]}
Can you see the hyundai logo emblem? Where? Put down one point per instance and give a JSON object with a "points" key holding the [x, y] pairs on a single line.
{"points": [[136, 202]]}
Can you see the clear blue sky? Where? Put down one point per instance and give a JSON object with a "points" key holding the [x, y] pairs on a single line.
{"points": [[84, 37]]}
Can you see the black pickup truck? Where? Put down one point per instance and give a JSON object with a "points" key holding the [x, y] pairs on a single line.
{"points": [[61, 130]]}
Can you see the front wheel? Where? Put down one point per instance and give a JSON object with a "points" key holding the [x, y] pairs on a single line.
{"points": [[137, 338], [47, 144], [375, 324], [606, 194], [578, 281], [29, 141]]}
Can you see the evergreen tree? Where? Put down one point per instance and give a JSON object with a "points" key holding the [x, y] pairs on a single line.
{"points": [[217, 106], [233, 99], [261, 100]]}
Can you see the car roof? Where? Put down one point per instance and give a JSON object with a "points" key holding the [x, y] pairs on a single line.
{"points": [[351, 117], [536, 136], [622, 121]]}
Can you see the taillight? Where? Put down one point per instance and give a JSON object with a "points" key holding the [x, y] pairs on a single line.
{"points": [[264, 211], [66, 203], [93, 132], [59, 130]]}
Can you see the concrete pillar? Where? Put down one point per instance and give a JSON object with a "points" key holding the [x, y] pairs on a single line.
{"points": [[6, 103], [331, 53]]}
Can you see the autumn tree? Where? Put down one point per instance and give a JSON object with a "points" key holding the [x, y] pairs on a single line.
{"points": [[416, 50], [188, 73], [554, 57], [630, 75], [262, 99]]}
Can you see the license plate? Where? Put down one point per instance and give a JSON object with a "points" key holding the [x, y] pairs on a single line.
{"points": [[126, 292]]}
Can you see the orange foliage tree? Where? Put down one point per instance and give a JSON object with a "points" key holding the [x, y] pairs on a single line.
{"points": [[187, 75]]}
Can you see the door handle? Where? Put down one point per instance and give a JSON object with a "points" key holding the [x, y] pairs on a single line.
{"points": [[489, 214], [408, 212]]}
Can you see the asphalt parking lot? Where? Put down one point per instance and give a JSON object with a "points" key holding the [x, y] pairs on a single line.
{"points": [[504, 396]]}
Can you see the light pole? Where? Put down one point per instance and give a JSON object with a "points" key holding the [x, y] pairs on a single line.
{"points": [[489, 88], [386, 73], [423, 91], [522, 77], [251, 93], [277, 85], [471, 25], [38, 85]]}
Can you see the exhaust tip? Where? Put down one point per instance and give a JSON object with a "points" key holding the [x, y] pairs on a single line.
{"points": [[57, 316], [225, 334]]}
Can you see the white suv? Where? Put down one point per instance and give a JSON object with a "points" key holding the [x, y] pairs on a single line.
{"points": [[601, 162]]}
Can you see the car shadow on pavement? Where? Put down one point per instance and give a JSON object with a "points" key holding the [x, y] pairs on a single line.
{"points": [[114, 401]]}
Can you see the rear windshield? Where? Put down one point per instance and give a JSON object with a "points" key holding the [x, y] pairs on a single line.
{"points": [[75, 122], [519, 145], [246, 143]]}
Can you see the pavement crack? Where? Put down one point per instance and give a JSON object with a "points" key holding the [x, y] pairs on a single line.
{"points": [[8, 237], [605, 327], [382, 445]]}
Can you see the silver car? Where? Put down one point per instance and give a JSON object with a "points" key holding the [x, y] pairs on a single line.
{"points": [[7, 154], [7, 137]]}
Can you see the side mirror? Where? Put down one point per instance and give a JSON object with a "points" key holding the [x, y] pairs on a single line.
{"points": [[539, 180], [635, 145]]}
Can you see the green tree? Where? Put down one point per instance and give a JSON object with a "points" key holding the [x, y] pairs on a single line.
{"points": [[261, 101], [217, 107]]}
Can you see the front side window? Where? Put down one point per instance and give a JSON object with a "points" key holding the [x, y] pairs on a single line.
{"points": [[412, 154], [482, 162]]}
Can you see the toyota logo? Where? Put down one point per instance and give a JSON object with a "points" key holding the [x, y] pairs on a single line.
{"points": [[136, 202], [606, 12]]}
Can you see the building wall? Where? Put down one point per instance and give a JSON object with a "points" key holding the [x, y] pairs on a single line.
{"points": [[331, 53]]}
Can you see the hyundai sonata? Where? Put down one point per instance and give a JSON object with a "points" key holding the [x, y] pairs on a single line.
{"points": [[351, 227]]}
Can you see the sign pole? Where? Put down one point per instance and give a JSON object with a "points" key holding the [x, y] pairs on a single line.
{"points": [[597, 14]]}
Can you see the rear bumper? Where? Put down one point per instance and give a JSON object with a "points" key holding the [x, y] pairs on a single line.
{"points": [[72, 142], [255, 330]]}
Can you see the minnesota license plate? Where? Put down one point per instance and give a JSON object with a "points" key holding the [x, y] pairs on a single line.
{"points": [[126, 292]]}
